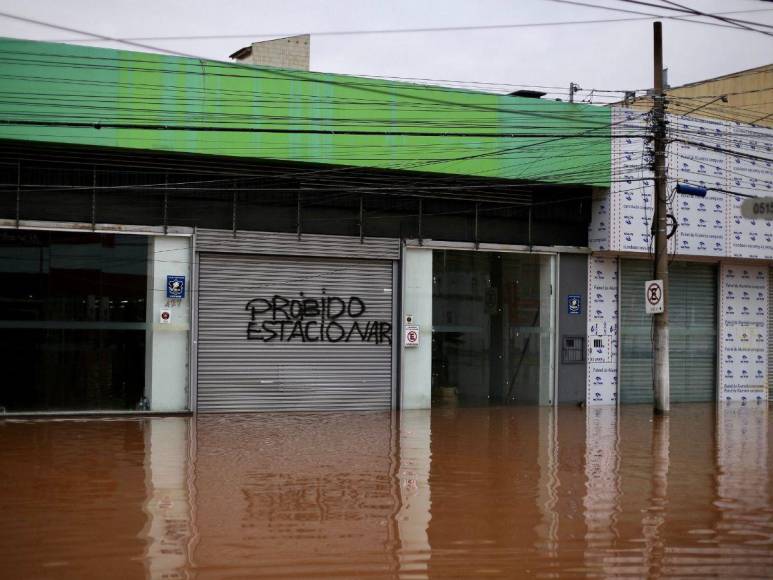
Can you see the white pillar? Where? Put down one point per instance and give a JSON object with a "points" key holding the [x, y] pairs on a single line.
{"points": [[167, 344], [416, 372]]}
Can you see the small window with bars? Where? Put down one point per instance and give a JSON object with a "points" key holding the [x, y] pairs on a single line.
{"points": [[573, 349]]}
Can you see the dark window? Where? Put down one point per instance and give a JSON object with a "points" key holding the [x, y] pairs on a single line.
{"points": [[72, 320]]}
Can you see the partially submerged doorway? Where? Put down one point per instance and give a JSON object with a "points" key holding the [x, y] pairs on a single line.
{"points": [[492, 328]]}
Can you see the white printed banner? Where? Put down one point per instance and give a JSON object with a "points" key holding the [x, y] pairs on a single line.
{"points": [[731, 160], [743, 355], [601, 381]]}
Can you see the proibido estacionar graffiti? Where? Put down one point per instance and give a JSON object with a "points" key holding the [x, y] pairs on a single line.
{"points": [[305, 319]]}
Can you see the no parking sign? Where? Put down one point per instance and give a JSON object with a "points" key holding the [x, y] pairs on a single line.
{"points": [[653, 296], [411, 335]]}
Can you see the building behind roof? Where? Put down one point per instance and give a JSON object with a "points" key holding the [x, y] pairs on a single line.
{"points": [[291, 52], [748, 97]]}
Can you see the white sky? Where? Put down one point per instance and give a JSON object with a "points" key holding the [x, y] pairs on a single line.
{"points": [[602, 56]]}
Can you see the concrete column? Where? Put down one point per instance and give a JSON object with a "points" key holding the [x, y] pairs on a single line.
{"points": [[166, 368], [416, 372]]}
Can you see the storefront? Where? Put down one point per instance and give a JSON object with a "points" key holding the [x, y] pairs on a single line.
{"points": [[488, 326], [287, 324], [86, 323], [693, 332]]}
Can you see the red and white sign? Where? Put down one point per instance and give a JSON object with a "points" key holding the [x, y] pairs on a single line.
{"points": [[165, 316], [653, 296], [411, 335]]}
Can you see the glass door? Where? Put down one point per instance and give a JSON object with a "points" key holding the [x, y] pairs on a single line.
{"points": [[492, 340]]}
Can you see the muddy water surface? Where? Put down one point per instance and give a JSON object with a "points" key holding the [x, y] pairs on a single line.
{"points": [[513, 492]]}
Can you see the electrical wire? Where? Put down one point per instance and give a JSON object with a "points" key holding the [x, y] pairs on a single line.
{"points": [[728, 23]]}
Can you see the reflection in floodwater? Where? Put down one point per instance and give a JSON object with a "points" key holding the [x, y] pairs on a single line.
{"points": [[602, 486], [170, 499], [452, 492]]}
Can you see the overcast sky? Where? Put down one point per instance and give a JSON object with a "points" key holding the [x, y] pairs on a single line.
{"points": [[602, 56]]}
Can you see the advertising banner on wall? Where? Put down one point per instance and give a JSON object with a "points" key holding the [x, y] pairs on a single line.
{"points": [[601, 381], [743, 355], [732, 160]]}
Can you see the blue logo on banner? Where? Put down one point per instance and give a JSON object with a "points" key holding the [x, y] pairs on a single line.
{"points": [[574, 302], [175, 286]]}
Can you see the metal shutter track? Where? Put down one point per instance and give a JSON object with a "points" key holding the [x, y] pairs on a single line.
{"points": [[692, 329], [281, 244], [236, 374]]}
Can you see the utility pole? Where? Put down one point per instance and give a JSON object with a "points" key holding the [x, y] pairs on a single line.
{"points": [[573, 88], [661, 379]]}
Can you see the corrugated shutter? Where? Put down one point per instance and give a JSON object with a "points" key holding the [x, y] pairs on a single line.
{"points": [[692, 332], [237, 374], [770, 334], [281, 244]]}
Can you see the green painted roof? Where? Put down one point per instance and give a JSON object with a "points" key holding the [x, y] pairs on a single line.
{"points": [[93, 96]]}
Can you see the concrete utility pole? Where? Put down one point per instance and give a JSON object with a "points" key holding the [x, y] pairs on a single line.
{"points": [[573, 88], [661, 379]]}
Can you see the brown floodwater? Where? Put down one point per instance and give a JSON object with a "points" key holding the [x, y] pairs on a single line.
{"points": [[513, 492]]}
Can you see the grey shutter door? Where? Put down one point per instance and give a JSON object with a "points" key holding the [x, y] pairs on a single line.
{"points": [[305, 373], [692, 332]]}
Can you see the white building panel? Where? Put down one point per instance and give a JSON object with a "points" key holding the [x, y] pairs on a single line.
{"points": [[601, 381], [727, 158], [743, 354]]}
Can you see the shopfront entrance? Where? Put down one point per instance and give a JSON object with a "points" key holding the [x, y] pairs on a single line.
{"points": [[72, 321], [692, 328], [285, 325], [492, 328]]}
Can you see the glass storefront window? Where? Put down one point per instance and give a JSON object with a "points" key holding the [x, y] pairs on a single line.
{"points": [[72, 320], [492, 328]]}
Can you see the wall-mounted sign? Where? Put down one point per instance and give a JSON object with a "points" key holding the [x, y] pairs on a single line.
{"points": [[165, 316], [574, 304], [757, 208], [175, 287], [411, 335], [653, 296]]}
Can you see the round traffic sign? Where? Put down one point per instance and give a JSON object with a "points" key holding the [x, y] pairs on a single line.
{"points": [[654, 294]]}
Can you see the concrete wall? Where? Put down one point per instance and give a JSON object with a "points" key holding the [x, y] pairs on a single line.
{"points": [[167, 369], [572, 280], [290, 52], [416, 371]]}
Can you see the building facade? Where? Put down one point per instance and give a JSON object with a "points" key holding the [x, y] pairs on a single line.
{"points": [[180, 235], [719, 264], [186, 236]]}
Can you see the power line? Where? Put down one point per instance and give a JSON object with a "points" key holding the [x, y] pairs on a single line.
{"points": [[685, 9], [396, 30], [229, 129], [299, 76], [680, 18], [57, 59]]}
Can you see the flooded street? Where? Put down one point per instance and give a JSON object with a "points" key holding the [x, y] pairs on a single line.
{"points": [[448, 493]]}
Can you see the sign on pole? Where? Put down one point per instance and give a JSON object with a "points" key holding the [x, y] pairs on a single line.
{"points": [[653, 296]]}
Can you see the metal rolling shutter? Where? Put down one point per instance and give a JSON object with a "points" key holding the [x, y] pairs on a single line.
{"points": [[236, 374], [692, 329]]}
